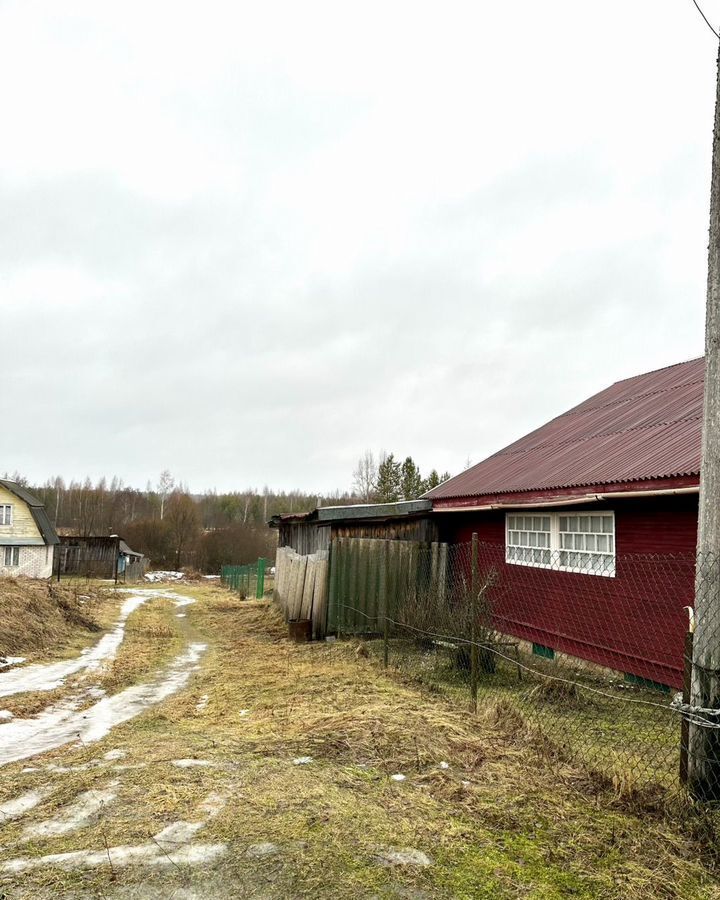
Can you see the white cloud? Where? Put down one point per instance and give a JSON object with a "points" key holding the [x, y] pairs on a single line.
{"points": [[246, 241]]}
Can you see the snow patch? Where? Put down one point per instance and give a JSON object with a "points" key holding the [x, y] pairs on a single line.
{"points": [[164, 576], [302, 760], [6, 715], [59, 725], [83, 812], [177, 833], [213, 804], [405, 857], [170, 847], [7, 661], [191, 763], [147, 854], [49, 676], [398, 777], [13, 809], [257, 851], [202, 703], [115, 754]]}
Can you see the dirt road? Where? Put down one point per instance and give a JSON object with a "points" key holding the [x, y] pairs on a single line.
{"points": [[209, 757]]}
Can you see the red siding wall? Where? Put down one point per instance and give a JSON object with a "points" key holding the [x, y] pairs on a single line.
{"points": [[633, 622]]}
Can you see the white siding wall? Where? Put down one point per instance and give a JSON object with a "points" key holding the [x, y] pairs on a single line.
{"points": [[35, 562]]}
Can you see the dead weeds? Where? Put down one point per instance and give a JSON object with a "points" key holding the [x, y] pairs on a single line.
{"points": [[498, 819], [39, 616]]}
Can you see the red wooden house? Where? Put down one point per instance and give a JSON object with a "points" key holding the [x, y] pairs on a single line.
{"points": [[590, 524]]}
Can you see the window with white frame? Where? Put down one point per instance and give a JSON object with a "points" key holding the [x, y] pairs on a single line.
{"points": [[12, 556], [5, 514], [528, 540], [572, 542]]}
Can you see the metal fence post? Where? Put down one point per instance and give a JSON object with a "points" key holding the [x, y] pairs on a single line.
{"points": [[474, 580]]}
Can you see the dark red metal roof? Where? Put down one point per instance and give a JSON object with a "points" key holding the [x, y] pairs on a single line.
{"points": [[647, 427]]}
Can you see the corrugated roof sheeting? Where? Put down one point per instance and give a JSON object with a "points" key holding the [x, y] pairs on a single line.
{"points": [[641, 428]]}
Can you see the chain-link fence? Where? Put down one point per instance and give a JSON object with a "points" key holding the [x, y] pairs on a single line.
{"points": [[588, 650]]}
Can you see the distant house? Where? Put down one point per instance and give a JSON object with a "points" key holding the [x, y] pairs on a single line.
{"points": [[100, 556], [591, 523], [27, 537]]}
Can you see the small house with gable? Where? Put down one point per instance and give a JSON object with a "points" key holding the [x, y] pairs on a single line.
{"points": [[27, 536]]}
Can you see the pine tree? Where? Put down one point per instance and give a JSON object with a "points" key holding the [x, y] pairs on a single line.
{"points": [[432, 481], [411, 484], [388, 480]]}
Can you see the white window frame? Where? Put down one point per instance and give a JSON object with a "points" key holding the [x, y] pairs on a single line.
{"points": [[13, 554], [555, 548], [6, 515]]}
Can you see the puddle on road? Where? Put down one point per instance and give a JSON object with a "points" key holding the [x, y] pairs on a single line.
{"points": [[59, 725], [47, 677]]}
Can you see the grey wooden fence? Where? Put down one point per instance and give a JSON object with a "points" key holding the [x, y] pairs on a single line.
{"points": [[301, 587]]}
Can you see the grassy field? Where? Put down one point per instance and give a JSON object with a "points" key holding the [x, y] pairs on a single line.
{"points": [[490, 815]]}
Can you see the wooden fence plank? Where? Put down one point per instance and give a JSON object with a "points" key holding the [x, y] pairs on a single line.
{"points": [[332, 600], [320, 596], [308, 588]]}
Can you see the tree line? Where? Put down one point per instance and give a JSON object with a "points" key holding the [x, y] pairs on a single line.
{"points": [[167, 523], [174, 527], [388, 480]]}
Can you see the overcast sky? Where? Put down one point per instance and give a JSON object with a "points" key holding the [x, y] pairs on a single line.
{"points": [[245, 241]]}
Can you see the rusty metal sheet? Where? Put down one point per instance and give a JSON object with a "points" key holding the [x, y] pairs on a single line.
{"points": [[646, 427]]}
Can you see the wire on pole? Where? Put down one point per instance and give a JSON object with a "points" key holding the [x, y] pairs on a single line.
{"points": [[697, 7]]}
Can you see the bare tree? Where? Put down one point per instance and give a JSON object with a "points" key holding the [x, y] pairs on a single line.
{"points": [[164, 488], [183, 522], [365, 477]]}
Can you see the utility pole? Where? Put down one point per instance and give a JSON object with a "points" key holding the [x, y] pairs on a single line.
{"points": [[704, 741]]}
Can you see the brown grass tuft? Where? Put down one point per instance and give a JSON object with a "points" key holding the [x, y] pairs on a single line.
{"points": [[37, 615]]}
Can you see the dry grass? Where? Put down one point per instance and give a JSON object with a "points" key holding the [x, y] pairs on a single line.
{"points": [[500, 821], [151, 639], [39, 616]]}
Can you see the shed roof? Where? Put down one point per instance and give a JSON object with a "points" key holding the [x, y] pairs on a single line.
{"points": [[642, 428], [37, 510], [356, 511], [127, 550]]}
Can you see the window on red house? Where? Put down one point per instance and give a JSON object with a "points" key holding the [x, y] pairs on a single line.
{"points": [[571, 542]]}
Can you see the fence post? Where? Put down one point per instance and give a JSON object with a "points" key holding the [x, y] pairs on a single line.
{"points": [[474, 580], [684, 723], [384, 594], [260, 592]]}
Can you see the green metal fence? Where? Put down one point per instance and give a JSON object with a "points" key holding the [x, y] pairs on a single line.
{"points": [[248, 580]]}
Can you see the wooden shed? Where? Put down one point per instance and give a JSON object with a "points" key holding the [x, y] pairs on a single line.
{"points": [[310, 532]]}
